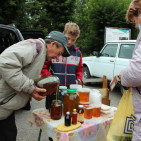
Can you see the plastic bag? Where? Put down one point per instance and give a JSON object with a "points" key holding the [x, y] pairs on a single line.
{"points": [[122, 126]]}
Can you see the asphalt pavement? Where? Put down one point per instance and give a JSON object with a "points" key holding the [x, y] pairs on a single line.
{"points": [[26, 132]]}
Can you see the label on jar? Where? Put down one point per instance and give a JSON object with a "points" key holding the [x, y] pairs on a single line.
{"points": [[80, 117]]}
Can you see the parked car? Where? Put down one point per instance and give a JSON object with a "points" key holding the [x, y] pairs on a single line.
{"points": [[112, 58], [32, 34], [10, 35]]}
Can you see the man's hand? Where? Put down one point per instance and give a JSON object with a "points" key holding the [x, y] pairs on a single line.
{"points": [[35, 94]]}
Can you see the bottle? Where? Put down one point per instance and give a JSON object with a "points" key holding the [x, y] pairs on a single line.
{"points": [[70, 102], [74, 117], [67, 119], [80, 114]]}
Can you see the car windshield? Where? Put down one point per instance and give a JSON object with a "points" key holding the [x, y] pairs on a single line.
{"points": [[109, 50]]}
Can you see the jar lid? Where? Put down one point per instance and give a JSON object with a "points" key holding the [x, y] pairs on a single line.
{"points": [[67, 113], [83, 90], [74, 110], [71, 90], [62, 87], [75, 86], [80, 106], [84, 103]]}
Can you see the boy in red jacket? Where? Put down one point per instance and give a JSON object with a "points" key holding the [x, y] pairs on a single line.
{"points": [[68, 69]]}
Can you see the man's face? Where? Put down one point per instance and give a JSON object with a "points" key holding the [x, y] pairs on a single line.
{"points": [[71, 39], [53, 51]]}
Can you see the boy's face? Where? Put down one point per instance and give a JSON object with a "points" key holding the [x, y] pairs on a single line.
{"points": [[71, 39]]}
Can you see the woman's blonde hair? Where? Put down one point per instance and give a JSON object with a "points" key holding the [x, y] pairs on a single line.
{"points": [[133, 10], [72, 29]]}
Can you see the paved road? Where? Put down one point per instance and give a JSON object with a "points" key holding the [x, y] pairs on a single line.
{"points": [[30, 133]]}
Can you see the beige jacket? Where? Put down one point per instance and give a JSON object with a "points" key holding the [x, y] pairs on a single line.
{"points": [[20, 65]]}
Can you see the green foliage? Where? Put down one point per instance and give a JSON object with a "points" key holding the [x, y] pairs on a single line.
{"points": [[58, 13], [34, 13], [82, 19], [94, 16], [45, 15], [10, 11]]}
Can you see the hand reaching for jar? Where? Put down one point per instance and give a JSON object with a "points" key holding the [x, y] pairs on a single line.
{"points": [[35, 94]]}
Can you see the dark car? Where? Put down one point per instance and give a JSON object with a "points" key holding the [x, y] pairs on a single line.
{"points": [[10, 35]]}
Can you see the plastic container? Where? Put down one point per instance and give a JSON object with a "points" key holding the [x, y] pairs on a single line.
{"points": [[95, 101], [75, 86], [95, 97], [96, 111], [71, 101], [84, 94], [88, 111]]}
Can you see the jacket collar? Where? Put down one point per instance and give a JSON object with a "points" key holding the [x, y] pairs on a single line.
{"points": [[73, 47]]}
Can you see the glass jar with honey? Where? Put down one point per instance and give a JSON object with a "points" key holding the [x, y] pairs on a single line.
{"points": [[70, 102], [48, 82], [56, 109]]}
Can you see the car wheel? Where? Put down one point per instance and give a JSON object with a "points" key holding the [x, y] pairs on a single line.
{"points": [[86, 73]]}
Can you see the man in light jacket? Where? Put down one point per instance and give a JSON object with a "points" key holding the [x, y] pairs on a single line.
{"points": [[20, 65]]}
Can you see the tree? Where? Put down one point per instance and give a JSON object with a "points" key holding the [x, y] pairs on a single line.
{"points": [[103, 14], [34, 13], [49, 15], [81, 18], [58, 13], [92, 16], [96, 16], [11, 11], [46, 15]]}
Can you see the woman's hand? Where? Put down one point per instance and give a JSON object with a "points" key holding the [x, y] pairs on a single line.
{"points": [[120, 74]]}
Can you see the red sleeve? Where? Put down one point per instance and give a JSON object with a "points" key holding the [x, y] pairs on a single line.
{"points": [[79, 73], [45, 70]]}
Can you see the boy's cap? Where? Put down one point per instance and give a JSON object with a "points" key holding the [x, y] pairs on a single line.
{"points": [[61, 38]]}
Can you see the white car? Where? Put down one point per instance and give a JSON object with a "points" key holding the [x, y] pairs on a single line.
{"points": [[113, 57]]}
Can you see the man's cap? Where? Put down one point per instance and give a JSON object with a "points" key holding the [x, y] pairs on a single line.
{"points": [[61, 38]]}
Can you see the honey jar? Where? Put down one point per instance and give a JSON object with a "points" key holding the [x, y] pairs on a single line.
{"points": [[70, 102]]}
